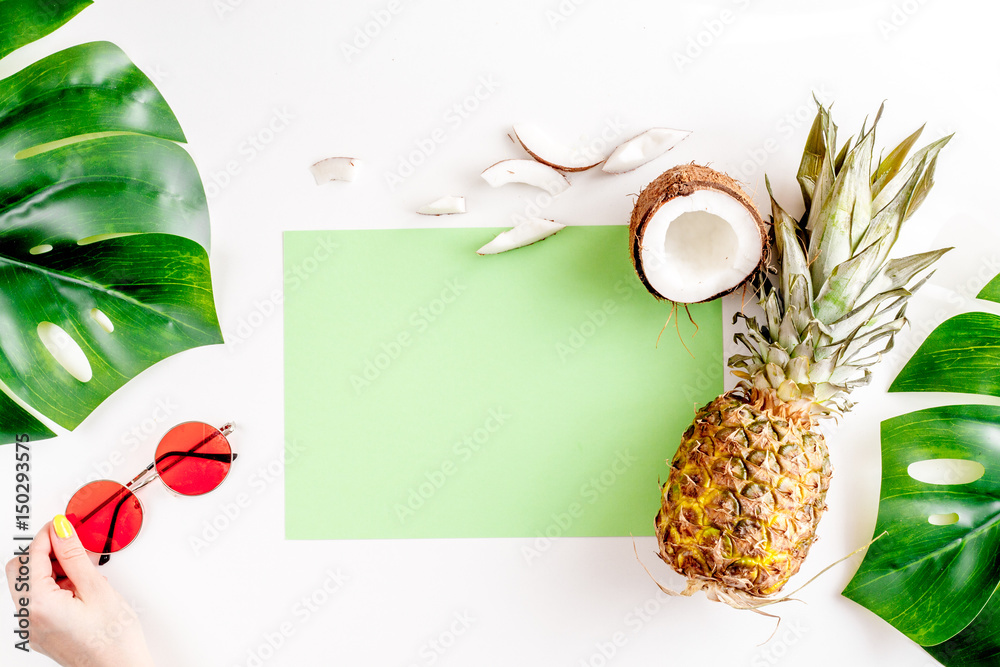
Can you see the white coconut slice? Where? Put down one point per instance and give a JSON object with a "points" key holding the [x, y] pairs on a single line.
{"points": [[526, 171], [444, 206], [642, 149], [695, 235], [335, 169], [531, 230], [543, 148]]}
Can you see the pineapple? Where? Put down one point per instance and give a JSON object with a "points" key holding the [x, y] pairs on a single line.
{"points": [[747, 485]]}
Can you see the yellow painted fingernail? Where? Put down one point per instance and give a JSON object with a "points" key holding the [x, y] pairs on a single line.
{"points": [[63, 527]]}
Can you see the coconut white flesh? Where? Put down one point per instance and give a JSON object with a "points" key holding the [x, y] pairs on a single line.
{"points": [[335, 169], [695, 247], [526, 171], [543, 148], [644, 148], [525, 233], [444, 206]]}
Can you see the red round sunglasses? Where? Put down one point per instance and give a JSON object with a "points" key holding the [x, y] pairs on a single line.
{"points": [[192, 459]]}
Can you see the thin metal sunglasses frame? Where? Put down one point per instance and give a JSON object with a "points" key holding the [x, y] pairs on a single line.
{"points": [[149, 474]]}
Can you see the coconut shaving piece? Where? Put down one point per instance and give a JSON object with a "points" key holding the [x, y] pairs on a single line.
{"points": [[335, 169], [695, 235], [543, 148], [642, 149], [444, 206], [531, 230], [526, 171]]}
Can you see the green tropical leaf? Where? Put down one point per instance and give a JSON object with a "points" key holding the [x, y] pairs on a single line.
{"points": [[19, 422], [86, 149], [25, 21], [154, 288], [104, 228], [992, 290], [978, 643], [936, 574], [930, 580], [962, 355]]}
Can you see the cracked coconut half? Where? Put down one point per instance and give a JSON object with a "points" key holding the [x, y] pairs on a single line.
{"points": [[695, 235], [748, 483]]}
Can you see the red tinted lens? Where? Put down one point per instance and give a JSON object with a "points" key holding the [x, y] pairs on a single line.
{"points": [[193, 458], [106, 516]]}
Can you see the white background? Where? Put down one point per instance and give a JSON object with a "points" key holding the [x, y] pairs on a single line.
{"points": [[301, 81]]}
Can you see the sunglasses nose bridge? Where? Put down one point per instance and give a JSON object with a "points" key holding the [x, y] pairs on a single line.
{"points": [[143, 478]]}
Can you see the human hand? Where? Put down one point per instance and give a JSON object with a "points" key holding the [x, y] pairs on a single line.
{"points": [[76, 617]]}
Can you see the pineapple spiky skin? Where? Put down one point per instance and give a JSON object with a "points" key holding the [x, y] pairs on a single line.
{"points": [[747, 488]]}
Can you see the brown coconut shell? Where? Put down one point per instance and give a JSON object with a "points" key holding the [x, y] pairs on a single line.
{"points": [[681, 181], [549, 163]]}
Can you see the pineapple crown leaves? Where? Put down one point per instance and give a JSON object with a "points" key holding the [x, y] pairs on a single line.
{"points": [[835, 299]]}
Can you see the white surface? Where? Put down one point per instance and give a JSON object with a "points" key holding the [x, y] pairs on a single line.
{"points": [[264, 89]]}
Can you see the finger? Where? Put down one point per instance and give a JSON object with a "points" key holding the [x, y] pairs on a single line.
{"points": [[73, 558], [42, 575], [40, 556], [30, 570]]}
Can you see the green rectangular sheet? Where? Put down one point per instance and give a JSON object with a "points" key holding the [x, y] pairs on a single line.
{"points": [[431, 392]]}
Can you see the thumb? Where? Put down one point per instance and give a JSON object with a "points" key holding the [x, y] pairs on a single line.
{"points": [[73, 558]]}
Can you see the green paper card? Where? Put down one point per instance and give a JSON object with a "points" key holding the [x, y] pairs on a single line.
{"points": [[431, 392]]}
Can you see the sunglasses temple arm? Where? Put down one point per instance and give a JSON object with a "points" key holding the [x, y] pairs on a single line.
{"points": [[127, 486], [106, 556], [210, 456]]}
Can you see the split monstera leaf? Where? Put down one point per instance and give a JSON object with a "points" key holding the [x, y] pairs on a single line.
{"points": [[104, 229], [935, 576]]}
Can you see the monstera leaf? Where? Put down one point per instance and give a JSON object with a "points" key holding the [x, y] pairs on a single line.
{"points": [[28, 20], [104, 227], [936, 575]]}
